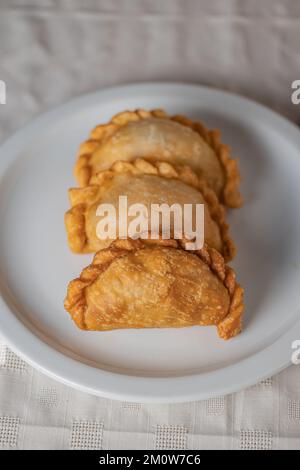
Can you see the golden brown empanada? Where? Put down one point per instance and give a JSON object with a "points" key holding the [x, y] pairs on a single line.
{"points": [[160, 285], [146, 183], [156, 136]]}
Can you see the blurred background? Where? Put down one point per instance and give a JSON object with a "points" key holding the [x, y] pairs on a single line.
{"points": [[53, 50]]}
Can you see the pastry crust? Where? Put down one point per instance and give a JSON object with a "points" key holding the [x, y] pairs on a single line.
{"points": [[155, 135], [136, 285], [146, 183]]}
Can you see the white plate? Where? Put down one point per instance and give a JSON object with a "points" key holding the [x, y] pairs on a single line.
{"points": [[150, 365]]}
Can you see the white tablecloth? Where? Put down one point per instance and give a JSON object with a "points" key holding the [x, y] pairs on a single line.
{"points": [[53, 50]]}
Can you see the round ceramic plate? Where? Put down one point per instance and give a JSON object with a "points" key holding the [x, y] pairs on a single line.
{"points": [[158, 365]]}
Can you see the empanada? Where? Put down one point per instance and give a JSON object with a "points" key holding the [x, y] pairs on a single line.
{"points": [[154, 135], [146, 183], [160, 285]]}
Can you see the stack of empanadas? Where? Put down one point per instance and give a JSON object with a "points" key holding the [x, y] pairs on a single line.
{"points": [[152, 158]]}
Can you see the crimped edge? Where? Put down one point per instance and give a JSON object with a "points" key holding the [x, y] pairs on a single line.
{"points": [[76, 304], [231, 196], [74, 218]]}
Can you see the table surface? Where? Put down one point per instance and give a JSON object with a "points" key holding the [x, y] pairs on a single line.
{"points": [[51, 52]]}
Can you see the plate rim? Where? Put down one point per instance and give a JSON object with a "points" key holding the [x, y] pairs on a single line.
{"points": [[119, 386]]}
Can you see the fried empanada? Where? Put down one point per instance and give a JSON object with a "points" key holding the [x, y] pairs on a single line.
{"points": [[136, 285], [154, 135], [144, 183]]}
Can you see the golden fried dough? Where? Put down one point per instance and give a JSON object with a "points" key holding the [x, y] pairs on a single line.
{"points": [[146, 183], [153, 135], [136, 285]]}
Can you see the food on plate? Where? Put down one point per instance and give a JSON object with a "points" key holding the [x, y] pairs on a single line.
{"points": [[147, 183], [160, 284], [156, 136]]}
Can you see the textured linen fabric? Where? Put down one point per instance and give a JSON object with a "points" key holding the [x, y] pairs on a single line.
{"points": [[53, 50]]}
